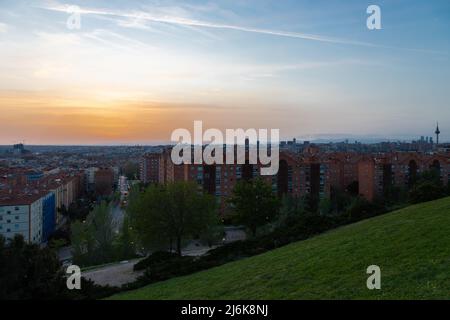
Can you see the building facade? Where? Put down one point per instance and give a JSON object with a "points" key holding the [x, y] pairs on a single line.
{"points": [[307, 172], [22, 215]]}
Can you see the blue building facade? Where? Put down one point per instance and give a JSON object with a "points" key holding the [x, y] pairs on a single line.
{"points": [[48, 215]]}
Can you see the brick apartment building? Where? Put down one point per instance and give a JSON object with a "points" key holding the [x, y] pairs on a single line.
{"points": [[377, 173], [104, 181], [307, 172], [157, 167]]}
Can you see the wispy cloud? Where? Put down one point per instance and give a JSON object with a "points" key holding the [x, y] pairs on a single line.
{"points": [[176, 16], [182, 21]]}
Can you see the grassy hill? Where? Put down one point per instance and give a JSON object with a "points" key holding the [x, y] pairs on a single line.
{"points": [[411, 246]]}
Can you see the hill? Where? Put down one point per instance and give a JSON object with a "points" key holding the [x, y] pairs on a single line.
{"points": [[411, 246]]}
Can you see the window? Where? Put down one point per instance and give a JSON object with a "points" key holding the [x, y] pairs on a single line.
{"points": [[1, 218], [8, 221], [17, 217], [8, 230], [16, 208]]}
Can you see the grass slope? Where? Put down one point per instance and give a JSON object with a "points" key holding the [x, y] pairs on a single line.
{"points": [[412, 247]]}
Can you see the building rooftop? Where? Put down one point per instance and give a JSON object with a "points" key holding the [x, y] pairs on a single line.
{"points": [[14, 198]]}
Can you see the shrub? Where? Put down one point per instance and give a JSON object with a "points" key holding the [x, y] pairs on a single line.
{"points": [[157, 257]]}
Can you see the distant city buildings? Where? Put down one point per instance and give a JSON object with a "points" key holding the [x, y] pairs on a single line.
{"points": [[36, 188], [37, 185], [19, 149]]}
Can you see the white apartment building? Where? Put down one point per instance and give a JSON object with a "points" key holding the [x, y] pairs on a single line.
{"points": [[22, 215]]}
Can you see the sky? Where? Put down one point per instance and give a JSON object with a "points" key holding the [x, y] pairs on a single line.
{"points": [[136, 70]]}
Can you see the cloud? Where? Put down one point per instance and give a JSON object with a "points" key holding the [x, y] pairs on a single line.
{"points": [[177, 16], [3, 27], [182, 21]]}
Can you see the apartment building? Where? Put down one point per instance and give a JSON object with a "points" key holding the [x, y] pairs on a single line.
{"points": [[104, 181], [151, 166], [379, 172], [307, 172], [22, 214]]}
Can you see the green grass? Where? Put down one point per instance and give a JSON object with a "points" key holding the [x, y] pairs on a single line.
{"points": [[411, 246]]}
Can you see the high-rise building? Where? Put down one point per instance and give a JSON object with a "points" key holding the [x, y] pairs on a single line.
{"points": [[150, 167]]}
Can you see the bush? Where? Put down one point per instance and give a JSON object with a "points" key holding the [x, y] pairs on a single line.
{"points": [[60, 235], [157, 257], [361, 208]]}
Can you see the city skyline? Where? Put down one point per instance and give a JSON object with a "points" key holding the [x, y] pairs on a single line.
{"points": [[136, 71]]}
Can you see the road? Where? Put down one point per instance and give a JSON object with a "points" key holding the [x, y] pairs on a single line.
{"points": [[116, 210], [118, 274], [122, 273], [117, 215]]}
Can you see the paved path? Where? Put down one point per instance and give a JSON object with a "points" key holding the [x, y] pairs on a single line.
{"points": [[122, 273], [114, 275]]}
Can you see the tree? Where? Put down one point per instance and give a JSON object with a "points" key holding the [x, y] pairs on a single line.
{"points": [[254, 203], [395, 194], [131, 170], [82, 243], [427, 187], [93, 239], [29, 272], [325, 206], [78, 210], [310, 203], [126, 242], [291, 210], [360, 208], [167, 215], [340, 199]]}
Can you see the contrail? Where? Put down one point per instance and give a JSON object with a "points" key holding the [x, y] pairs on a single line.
{"points": [[196, 23]]}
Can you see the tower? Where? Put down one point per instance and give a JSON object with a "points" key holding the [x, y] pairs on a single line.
{"points": [[437, 132]]}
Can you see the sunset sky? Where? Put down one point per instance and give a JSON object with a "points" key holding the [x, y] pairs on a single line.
{"points": [[136, 70]]}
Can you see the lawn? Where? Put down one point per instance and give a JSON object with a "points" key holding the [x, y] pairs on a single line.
{"points": [[411, 246]]}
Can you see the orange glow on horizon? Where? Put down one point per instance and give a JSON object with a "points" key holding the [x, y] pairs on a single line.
{"points": [[40, 118]]}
